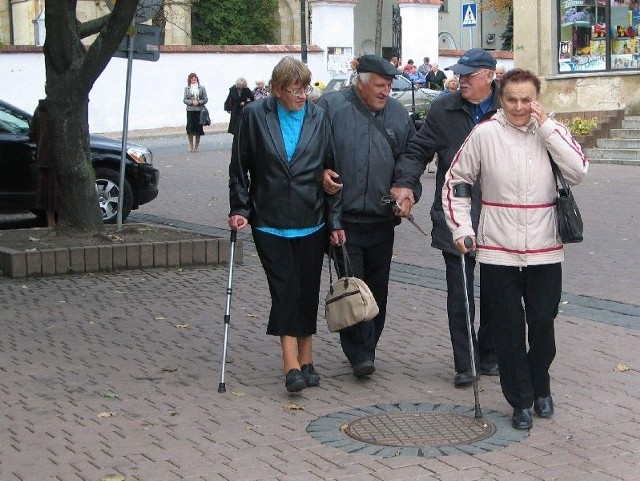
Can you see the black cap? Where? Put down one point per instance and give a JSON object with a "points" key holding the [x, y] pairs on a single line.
{"points": [[473, 60], [375, 64]]}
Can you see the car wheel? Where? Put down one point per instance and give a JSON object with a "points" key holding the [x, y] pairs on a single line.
{"points": [[107, 182]]}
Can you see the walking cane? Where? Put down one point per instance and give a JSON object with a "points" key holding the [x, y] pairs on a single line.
{"points": [[468, 243], [227, 312]]}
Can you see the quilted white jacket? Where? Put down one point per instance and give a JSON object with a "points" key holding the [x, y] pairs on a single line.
{"points": [[518, 225]]}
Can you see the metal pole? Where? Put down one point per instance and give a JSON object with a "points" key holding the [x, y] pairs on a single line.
{"points": [[303, 31], [125, 126]]}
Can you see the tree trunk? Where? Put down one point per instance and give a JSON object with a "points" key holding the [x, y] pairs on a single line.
{"points": [[378, 39], [71, 70]]}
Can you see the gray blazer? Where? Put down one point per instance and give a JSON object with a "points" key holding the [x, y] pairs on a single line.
{"points": [[201, 98]]}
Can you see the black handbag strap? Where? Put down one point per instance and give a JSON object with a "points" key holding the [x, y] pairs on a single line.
{"points": [[561, 183], [346, 263]]}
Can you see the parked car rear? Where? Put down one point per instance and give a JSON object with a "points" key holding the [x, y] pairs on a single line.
{"points": [[18, 166]]}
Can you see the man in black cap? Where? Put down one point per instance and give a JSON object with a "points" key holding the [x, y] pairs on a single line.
{"points": [[370, 131], [450, 119]]}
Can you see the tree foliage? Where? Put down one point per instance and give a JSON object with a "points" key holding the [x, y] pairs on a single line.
{"points": [[503, 7], [507, 35], [234, 22]]}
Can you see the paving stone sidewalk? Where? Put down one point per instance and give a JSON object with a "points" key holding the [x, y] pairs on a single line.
{"points": [[117, 374]]}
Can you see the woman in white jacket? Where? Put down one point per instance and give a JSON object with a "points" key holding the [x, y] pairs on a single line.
{"points": [[517, 242]]}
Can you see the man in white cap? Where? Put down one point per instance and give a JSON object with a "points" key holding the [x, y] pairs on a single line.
{"points": [[451, 118], [370, 131]]}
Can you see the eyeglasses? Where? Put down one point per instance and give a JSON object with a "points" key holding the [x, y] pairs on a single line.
{"points": [[469, 75], [298, 92]]}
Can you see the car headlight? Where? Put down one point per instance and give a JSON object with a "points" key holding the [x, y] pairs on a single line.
{"points": [[140, 155]]}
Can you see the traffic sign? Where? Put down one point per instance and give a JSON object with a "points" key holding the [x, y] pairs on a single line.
{"points": [[146, 43], [146, 9], [469, 14]]}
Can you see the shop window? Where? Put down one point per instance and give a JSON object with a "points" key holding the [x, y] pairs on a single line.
{"points": [[596, 35]]}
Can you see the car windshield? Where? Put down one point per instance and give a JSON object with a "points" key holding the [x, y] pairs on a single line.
{"points": [[12, 124], [400, 83]]}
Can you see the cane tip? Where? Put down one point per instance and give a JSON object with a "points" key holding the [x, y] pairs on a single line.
{"points": [[222, 388]]}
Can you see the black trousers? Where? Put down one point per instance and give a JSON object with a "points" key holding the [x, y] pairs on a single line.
{"points": [[370, 248], [484, 343], [523, 303]]}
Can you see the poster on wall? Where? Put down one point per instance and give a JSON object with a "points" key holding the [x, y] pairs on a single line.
{"points": [[339, 58]]}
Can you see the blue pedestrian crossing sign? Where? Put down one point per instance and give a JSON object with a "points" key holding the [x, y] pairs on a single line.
{"points": [[469, 14]]}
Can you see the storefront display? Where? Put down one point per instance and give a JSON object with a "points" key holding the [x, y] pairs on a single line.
{"points": [[598, 35]]}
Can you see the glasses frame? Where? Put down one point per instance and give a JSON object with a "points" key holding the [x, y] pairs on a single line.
{"points": [[472, 74], [298, 92]]}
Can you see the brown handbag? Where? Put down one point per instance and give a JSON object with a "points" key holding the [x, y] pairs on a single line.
{"points": [[349, 300]]}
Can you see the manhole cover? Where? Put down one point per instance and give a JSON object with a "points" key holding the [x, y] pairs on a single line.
{"points": [[420, 429], [428, 429]]}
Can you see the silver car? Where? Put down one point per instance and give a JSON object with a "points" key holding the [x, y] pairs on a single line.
{"points": [[401, 90]]}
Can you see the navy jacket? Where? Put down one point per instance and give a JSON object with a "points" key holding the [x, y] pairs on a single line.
{"points": [[448, 124]]}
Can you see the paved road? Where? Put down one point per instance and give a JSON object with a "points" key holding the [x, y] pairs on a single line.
{"points": [[115, 376]]}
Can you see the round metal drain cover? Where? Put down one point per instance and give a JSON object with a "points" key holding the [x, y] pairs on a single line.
{"points": [[419, 429]]}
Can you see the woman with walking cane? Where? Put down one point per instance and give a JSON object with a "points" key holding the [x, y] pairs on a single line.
{"points": [[517, 243], [275, 180]]}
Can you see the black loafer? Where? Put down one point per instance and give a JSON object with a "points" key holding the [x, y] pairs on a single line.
{"points": [[364, 368], [543, 406], [521, 419], [310, 375], [294, 381], [489, 368], [463, 378]]}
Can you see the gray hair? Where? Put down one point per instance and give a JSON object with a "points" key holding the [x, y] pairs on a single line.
{"points": [[362, 78]]}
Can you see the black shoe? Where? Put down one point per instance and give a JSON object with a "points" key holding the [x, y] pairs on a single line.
{"points": [[364, 368], [521, 418], [489, 368], [463, 378], [543, 406], [294, 381], [310, 375]]}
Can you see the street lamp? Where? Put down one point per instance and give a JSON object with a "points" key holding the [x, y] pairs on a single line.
{"points": [[303, 31]]}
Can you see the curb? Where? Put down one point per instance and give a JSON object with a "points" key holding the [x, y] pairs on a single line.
{"points": [[115, 257], [220, 128]]}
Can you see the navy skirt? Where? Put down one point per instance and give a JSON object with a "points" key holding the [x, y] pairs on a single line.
{"points": [[293, 267]]}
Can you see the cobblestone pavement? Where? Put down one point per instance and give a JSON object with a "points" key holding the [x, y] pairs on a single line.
{"points": [[115, 376]]}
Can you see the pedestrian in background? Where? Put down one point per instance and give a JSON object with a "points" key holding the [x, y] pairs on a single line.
{"points": [[260, 91], [47, 191], [239, 96], [370, 130], [195, 97], [282, 147], [450, 119], [516, 241]]}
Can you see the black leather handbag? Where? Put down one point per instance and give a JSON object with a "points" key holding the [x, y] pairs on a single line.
{"points": [[204, 116], [570, 224]]}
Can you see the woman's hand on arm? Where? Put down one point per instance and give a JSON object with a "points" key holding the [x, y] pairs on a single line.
{"points": [[331, 181]]}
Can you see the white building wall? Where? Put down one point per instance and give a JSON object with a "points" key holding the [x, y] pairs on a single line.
{"points": [[332, 30], [419, 32], [156, 87]]}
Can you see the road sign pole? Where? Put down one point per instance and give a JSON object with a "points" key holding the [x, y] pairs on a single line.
{"points": [[125, 125]]}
